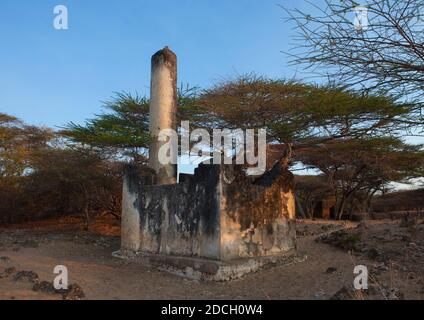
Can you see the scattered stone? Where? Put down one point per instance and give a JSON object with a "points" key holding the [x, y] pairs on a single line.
{"points": [[344, 293], [7, 272], [26, 276], [331, 270], [44, 287], [74, 292], [395, 294], [411, 276], [362, 226], [29, 244], [378, 268], [405, 238], [189, 271], [405, 223], [373, 253], [364, 250], [4, 259], [379, 238], [319, 295], [343, 240], [373, 290]]}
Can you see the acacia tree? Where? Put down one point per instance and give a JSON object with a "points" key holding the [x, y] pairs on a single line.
{"points": [[294, 114], [299, 115], [382, 50], [122, 131], [310, 190], [77, 179], [367, 165], [41, 177], [17, 142]]}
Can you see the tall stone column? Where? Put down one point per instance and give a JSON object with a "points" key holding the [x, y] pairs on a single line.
{"points": [[130, 219], [163, 109]]}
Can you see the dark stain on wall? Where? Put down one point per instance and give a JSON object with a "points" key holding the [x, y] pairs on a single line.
{"points": [[258, 201], [182, 212], [185, 218], [205, 180]]}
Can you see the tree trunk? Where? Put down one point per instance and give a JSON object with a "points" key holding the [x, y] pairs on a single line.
{"points": [[86, 210], [300, 207], [340, 208]]}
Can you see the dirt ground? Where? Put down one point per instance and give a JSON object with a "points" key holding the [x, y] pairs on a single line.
{"points": [[393, 252]]}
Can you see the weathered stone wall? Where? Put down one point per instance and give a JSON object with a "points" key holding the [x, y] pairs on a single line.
{"points": [[217, 213], [257, 215], [163, 111], [130, 218], [179, 219]]}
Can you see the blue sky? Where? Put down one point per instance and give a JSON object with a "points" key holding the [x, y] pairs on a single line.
{"points": [[49, 77]]}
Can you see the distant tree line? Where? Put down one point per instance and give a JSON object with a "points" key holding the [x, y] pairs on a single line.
{"points": [[42, 175], [405, 200]]}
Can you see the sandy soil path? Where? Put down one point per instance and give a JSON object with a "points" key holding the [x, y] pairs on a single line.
{"points": [[91, 266]]}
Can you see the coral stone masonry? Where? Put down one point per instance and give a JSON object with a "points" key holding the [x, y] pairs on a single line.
{"points": [[217, 224]]}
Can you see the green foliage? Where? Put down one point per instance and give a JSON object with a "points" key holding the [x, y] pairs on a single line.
{"points": [[17, 142], [350, 137], [123, 129], [364, 165], [350, 242], [298, 113], [41, 178]]}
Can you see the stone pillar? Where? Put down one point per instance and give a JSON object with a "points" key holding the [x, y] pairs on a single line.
{"points": [[130, 219], [163, 109]]}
